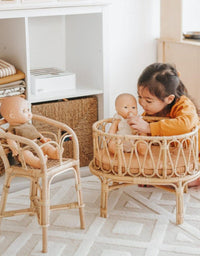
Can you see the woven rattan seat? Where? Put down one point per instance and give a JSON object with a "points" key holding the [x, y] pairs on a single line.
{"points": [[167, 162], [41, 178]]}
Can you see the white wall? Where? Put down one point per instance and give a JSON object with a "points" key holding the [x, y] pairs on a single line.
{"points": [[134, 27], [191, 12]]}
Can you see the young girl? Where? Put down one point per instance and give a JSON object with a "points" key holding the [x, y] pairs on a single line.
{"points": [[161, 93]]}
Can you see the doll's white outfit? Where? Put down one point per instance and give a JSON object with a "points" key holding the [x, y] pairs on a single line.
{"points": [[124, 129]]}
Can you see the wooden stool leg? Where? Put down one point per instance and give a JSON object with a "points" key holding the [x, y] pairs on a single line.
{"points": [[4, 195], [179, 204], [104, 198], [80, 198]]}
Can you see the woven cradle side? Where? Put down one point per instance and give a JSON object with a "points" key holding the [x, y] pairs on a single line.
{"points": [[164, 157], [79, 114]]}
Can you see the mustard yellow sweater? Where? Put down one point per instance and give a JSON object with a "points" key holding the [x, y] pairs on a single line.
{"points": [[183, 119]]}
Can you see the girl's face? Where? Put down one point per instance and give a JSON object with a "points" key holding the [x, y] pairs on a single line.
{"points": [[150, 103]]}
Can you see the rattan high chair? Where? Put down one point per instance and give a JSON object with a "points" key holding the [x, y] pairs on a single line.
{"points": [[41, 178], [168, 162]]}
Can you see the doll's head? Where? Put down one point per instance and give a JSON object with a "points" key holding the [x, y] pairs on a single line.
{"points": [[126, 105], [15, 110]]}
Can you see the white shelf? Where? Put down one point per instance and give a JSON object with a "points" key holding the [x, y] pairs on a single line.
{"points": [[194, 42], [35, 4], [66, 95], [66, 35]]}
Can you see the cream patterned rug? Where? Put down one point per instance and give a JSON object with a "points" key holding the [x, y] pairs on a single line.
{"points": [[141, 222]]}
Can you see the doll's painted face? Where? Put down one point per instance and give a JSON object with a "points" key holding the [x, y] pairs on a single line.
{"points": [[126, 105], [16, 110], [23, 114]]}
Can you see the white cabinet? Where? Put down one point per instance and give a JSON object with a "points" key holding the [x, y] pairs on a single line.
{"points": [[62, 36], [68, 42]]}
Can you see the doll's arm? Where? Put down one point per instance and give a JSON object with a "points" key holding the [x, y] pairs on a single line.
{"points": [[42, 139], [114, 127], [13, 146], [113, 130]]}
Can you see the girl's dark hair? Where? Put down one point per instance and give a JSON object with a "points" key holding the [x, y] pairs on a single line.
{"points": [[162, 80]]}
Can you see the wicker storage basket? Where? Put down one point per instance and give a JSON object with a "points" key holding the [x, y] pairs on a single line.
{"points": [[79, 114]]}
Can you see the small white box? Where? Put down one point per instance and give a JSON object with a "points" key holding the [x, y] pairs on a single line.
{"points": [[51, 80]]}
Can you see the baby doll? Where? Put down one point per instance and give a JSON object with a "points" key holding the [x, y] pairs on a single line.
{"points": [[126, 106], [15, 110]]}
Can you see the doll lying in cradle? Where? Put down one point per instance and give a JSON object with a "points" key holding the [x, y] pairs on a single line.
{"points": [[126, 106], [15, 110]]}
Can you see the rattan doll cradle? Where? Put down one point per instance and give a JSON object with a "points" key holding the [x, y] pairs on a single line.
{"points": [[40, 179], [169, 162]]}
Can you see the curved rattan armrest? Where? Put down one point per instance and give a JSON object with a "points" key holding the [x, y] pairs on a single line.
{"points": [[30, 144], [60, 132], [62, 127]]}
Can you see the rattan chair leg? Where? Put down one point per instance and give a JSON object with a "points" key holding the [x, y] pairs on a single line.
{"points": [[44, 239], [79, 197], [179, 204], [33, 193], [82, 218], [4, 195], [45, 211], [104, 198]]}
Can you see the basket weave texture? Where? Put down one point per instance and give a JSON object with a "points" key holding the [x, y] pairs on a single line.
{"points": [[79, 114]]}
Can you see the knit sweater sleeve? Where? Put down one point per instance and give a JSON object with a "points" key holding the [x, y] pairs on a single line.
{"points": [[183, 118]]}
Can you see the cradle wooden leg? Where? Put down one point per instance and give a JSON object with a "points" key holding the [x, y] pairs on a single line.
{"points": [[179, 204], [104, 198], [80, 198], [186, 189]]}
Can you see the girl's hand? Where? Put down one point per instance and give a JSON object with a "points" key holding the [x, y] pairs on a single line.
{"points": [[139, 124]]}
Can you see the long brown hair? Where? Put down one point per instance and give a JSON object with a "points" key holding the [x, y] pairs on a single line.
{"points": [[162, 80]]}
